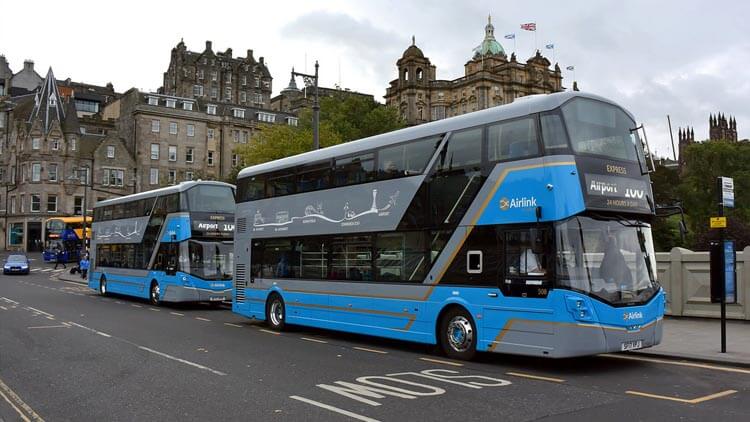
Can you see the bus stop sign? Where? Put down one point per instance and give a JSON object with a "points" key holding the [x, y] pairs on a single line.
{"points": [[726, 184]]}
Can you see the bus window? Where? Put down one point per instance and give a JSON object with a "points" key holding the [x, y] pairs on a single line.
{"points": [[401, 257], [599, 128], [251, 188], [313, 258], [406, 159], [279, 260], [351, 258], [512, 140], [356, 169], [313, 177], [553, 134], [210, 198], [526, 270], [464, 149], [281, 183]]}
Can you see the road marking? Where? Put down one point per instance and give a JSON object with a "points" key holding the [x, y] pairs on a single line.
{"points": [[118, 302], [677, 399], [364, 349], [49, 326], [202, 319], [186, 362], [17, 404], [154, 309], [177, 313], [681, 363], [134, 305], [37, 310], [89, 329], [3, 308], [232, 325], [9, 301], [534, 377], [334, 409], [276, 333], [314, 340], [49, 317], [444, 362]]}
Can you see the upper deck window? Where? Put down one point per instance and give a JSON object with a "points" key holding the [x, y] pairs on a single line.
{"points": [[210, 198], [599, 128]]}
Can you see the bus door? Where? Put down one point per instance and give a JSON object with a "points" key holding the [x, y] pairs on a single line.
{"points": [[165, 269]]}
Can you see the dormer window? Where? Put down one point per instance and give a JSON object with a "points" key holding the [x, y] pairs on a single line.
{"points": [[153, 101], [187, 105], [52, 100], [292, 121], [239, 113], [211, 109], [171, 103]]}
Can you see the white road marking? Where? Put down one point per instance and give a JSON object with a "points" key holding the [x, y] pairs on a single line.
{"points": [[89, 329], [334, 409], [314, 340], [232, 325], [186, 362], [49, 326], [9, 301], [177, 313], [680, 363], [134, 305], [687, 401], [534, 377], [154, 309], [364, 349], [202, 319], [444, 362], [38, 311], [276, 333], [3, 308]]}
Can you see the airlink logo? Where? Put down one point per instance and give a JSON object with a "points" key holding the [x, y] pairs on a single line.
{"points": [[523, 202], [627, 316]]}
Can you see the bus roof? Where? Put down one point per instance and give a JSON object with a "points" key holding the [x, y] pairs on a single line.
{"points": [[181, 187], [75, 219], [520, 107]]}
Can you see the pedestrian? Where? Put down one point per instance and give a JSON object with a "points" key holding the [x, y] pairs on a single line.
{"points": [[59, 258], [84, 266]]}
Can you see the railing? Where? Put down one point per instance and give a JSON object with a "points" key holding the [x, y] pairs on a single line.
{"points": [[685, 275]]}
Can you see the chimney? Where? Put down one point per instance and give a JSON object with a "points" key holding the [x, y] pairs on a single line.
{"points": [[28, 65], [249, 54], [228, 53], [208, 45], [260, 59]]}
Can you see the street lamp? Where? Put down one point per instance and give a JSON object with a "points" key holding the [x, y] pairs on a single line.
{"points": [[7, 108], [312, 81], [76, 177]]}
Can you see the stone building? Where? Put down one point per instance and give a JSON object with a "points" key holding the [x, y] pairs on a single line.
{"points": [[490, 79], [5, 77], [719, 128], [292, 99], [46, 165], [218, 77], [25, 80], [175, 139]]}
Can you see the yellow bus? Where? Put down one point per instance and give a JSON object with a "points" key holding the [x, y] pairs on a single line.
{"points": [[66, 234]]}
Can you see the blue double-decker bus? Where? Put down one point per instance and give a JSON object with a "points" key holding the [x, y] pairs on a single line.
{"points": [[172, 244], [523, 228]]}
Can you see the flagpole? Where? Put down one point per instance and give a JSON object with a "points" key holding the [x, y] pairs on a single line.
{"points": [[536, 46], [514, 44]]}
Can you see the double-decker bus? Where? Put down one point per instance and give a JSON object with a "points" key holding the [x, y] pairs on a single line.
{"points": [[65, 234], [523, 228], [172, 244]]}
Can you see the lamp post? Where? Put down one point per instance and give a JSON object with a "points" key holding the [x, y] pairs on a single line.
{"points": [[76, 177], [312, 81], [8, 107]]}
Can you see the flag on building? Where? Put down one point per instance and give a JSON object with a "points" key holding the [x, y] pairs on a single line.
{"points": [[529, 26], [510, 36], [549, 46], [571, 68]]}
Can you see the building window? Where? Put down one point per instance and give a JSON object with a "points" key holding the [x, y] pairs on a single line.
{"points": [[199, 73], [244, 80], [77, 205], [228, 93], [266, 117], [188, 176], [24, 175], [258, 98], [190, 130], [153, 101], [52, 172], [13, 204], [154, 177], [55, 144], [292, 121], [228, 78], [110, 151], [22, 205], [36, 202], [214, 94], [172, 177], [197, 90], [211, 109], [51, 203], [210, 158], [73, 144], [214, 75], [172, 153], [36, 172], [154, 151], [189, 155], [173, 128], [171, 103], [187, 105], [36, 143], [210, 133], [243, 96], [236, 135], [155, 126], [15, 235], [235, 160], [113, 177], [257, 82], [239, 113], [245, 135]]}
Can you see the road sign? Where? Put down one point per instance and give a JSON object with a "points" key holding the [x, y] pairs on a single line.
{"points": [[727, 191], [718, 222]]}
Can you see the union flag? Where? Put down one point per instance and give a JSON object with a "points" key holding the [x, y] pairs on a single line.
{"points": [[529, 26]]}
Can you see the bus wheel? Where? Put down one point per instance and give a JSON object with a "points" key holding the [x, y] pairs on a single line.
{"points": [[155, 293], [275, 312], [103, 286], [457, 334]]}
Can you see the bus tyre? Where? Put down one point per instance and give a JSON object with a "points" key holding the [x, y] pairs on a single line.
{"points": [[155, 293], [276, 312], [458, 334], [103, 286]]}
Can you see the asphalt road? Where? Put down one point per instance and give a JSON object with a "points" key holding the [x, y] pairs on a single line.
{"points": [[68, 354]]}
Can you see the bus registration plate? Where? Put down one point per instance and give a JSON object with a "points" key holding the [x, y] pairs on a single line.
{"points": [[631, 345], [216, 298]]}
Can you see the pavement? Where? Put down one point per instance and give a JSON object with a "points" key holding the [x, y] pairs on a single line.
{"points": [[68, 353]]}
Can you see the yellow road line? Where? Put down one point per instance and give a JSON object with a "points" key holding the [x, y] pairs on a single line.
{"points": [[687, 401], [177, 313], [314, 340], [202, 319], [444, 362], [232, 325], [534, 377], [16, 403], [276, 333], [680, 363], [364, 349]]}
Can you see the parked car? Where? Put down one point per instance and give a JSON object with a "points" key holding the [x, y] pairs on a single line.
{"points": [[16, 264]]}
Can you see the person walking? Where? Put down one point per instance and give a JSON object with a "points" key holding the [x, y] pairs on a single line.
{"points": [[59, 258], [84, 266]]}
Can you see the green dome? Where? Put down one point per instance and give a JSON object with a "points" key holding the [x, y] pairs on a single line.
{"points": [[489, 46]]}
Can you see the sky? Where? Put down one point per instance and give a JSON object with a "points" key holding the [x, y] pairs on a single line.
{"points": [[685, 59]]}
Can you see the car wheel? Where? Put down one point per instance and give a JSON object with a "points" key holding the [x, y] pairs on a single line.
{"points": [[275, 312], [458, 334]]}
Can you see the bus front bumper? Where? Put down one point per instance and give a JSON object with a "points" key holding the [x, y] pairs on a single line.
{"points": [[174, 293]]}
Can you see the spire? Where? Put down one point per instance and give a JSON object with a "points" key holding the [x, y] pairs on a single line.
{"points": [[413, 40], [292, 83], [47, 103]]}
